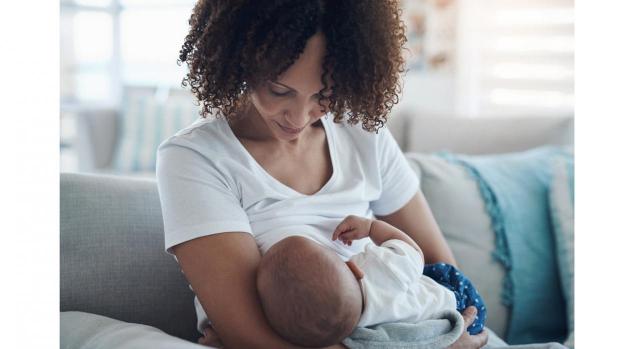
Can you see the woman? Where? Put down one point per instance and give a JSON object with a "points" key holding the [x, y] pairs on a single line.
{"points": [[271, 163]]}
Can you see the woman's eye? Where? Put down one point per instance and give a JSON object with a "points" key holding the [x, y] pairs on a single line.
{"points": [[279, 94]]}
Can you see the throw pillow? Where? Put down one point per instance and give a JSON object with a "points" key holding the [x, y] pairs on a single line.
{"points": [[561, 202], [515, 191], [144, 124], [459, 209]]}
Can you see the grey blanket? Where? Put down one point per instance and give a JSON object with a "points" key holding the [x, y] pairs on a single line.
{"points": [[427, 334]]}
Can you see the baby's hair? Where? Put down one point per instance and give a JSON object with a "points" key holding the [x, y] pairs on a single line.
{"points": [[234, 45], [306, 300]]}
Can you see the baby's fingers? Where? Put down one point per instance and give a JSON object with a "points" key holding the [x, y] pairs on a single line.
{"points": [[348, 236], [342, 228], [347, 242]]}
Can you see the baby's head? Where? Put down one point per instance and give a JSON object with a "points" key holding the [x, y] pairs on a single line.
{"points": [[309, 295]]}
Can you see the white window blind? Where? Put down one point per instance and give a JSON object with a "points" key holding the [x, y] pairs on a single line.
{"points": [[515, 57], [108, 43]]}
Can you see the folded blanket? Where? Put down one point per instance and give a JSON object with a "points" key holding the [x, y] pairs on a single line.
{"points": [[428, 334]]}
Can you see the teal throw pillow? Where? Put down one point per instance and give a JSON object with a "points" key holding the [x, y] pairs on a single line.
{"points": [[515, 190]]}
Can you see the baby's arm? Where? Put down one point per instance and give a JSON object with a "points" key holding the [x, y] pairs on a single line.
{"points": [[354, 228]]}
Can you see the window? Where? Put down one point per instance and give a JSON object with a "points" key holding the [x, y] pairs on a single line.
{"points": [[108, 43], [87, 51], [478, 58], [154, 36], [516, 57]]}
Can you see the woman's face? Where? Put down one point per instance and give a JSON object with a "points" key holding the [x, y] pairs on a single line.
{"points": [[290, 104]]}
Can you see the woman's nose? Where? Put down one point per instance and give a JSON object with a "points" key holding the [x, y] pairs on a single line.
{"points": [[298, 116]]}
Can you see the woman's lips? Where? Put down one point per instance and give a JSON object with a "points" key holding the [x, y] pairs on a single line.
{"points": [[289, 129]]}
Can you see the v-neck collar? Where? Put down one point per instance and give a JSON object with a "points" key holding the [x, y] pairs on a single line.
{"points": [[328, 130]]}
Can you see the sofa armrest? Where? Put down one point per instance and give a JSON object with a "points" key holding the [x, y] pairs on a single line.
{"points": [[79, 330]]}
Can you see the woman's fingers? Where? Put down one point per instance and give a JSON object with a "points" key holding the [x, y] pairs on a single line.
{"points": [[210, 338], [482, 338], [467, 341], [469, 314], [475, 341]]}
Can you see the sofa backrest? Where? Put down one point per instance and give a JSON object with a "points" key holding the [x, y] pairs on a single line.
{"points": [[100, 130], [418, 132], [112, 259]]}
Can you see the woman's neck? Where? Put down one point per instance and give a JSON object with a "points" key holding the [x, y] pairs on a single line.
{"points": [[250, 126]]}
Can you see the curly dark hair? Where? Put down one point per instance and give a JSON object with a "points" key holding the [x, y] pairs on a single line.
{"points": [[233, 45]]}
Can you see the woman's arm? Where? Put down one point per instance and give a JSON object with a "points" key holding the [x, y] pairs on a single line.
{"points": [[416, 220], [221, 269], [356, 227]]}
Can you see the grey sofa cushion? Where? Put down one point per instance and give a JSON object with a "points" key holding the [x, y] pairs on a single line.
{"points": [[112, 256], [459, 209]]}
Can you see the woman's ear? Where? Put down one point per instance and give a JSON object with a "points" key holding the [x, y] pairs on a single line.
{"points": [[357, 272]]}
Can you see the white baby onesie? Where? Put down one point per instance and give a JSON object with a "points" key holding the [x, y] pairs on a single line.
{"points": [[395, 289]]}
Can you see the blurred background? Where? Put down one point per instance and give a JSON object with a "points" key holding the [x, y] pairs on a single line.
{"points": [[466, 59]]}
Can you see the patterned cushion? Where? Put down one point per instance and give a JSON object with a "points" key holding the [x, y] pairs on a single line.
{"points": [[145, 123]]}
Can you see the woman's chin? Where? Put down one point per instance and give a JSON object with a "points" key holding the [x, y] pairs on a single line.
{"points": [[286, 133]]}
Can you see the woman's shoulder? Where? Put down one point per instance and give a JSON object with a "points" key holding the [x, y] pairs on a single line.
{"points": [[204, 135], [355, 137], [205, 145]]}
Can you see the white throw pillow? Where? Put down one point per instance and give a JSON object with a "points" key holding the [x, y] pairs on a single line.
{"points": [[561, 202], [459, 209], [80, 330]]}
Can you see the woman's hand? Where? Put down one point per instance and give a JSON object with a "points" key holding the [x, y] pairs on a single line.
{"points": [[210, 338], [467, 341]]}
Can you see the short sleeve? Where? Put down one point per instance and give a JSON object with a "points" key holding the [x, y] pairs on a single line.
{"points": [[195, 197], [399, 181], [393, 258], [401, 250]]}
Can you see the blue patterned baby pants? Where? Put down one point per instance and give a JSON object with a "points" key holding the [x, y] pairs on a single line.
{"points": [[466, 295]]}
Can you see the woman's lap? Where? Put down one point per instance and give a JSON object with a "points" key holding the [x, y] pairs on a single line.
{"points": [[496, 342]]}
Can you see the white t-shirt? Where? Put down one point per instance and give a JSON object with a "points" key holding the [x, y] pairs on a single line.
{"points": [[209, 183], [394, 288]]}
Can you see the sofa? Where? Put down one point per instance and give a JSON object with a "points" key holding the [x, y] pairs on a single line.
{"points": [[105, 136], [119, 289]]}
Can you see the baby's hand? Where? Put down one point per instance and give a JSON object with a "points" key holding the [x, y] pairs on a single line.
{"points": [[352, 228]]}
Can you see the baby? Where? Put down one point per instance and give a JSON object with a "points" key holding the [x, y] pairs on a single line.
{"points": [[312, 298]]}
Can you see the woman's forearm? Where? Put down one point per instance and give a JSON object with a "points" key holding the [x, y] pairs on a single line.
{"points": [[417, 221], [221, 269], [382, 231]]}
